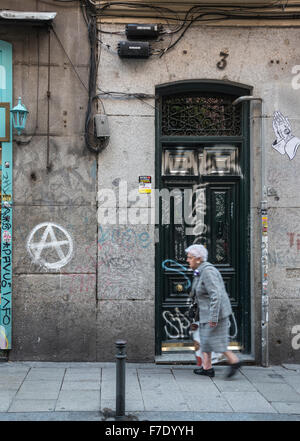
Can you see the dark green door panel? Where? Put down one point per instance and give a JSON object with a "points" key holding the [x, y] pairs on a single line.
{"points": [[208, 180]]}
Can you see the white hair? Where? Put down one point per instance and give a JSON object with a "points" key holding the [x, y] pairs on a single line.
{"points": [[198, 251]]}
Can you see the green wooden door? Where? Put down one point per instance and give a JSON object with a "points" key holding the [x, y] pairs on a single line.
{"points": [[203, 177]]}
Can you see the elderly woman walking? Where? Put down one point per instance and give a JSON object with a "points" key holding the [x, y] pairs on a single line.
{"points": [[214, 310]]}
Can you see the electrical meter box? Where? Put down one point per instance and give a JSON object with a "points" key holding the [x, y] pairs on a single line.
{"points": [[137, 49], [142, 31]]}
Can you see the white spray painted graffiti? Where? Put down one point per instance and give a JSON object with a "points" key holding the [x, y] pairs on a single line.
{"points": [[199, 211], [177, 325], [295, 71], [41, 251], [296, 338], [285, 141]]}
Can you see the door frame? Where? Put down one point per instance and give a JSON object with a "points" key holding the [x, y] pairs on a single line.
{"points": [[212, 86]]}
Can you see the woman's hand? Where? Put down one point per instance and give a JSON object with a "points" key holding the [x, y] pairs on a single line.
{"points": [[212, 324]]}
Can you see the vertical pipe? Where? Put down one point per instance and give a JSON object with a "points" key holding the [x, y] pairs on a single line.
{"points": [[37, 81], [120, 378], [264, 239], [264, 253], [48, 105]]}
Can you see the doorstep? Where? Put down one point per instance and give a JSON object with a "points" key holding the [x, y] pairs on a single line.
{"points": [[189, 358], [175, 358]]}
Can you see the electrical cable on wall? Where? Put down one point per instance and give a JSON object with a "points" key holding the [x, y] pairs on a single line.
{"points": [[72, 65], [92, 142], [197, 14], [125, 95]]}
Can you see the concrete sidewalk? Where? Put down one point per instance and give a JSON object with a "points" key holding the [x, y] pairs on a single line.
{"points": [[86, 391]]}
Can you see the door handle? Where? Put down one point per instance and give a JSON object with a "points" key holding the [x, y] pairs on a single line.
{"points": [[179, 287], [220, 228]]}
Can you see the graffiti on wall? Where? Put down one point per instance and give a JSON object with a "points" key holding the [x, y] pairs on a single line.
{"points": [[50, 246], [177, 325], [294, 242], [6, 259], [296, 338], [285, 142], [6, 268], [124, 237], [282, 256], [117, 258]]}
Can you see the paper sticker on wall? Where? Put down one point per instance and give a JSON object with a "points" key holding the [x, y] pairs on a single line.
{"points": [[285, 141], [264, 225], [6, 235], [3, 338], [144, 184]]}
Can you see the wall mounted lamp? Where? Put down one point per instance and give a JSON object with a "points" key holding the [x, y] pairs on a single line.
{"points": [[19, 116]]}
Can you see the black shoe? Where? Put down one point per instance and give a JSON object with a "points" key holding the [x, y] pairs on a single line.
{"points": [[208, 372], [233, 369]]}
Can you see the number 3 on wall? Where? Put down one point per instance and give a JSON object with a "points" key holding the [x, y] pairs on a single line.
{"points": [[222, 63]]}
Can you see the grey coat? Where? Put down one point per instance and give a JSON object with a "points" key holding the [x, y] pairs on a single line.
{"points": [[212, 298]]}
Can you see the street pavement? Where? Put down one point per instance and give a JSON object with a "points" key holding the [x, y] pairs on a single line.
{"points": [[44, 391]]}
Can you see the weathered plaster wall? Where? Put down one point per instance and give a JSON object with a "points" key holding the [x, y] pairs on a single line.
{"points": [[106, 291], [54, 316], [256, 58], [77, 311]]}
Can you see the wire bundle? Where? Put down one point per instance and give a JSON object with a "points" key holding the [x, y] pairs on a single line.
{"points": [[204, 13], [90, 16]]}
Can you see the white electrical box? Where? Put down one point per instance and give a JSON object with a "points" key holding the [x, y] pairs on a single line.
{"points": [[101, 126]]}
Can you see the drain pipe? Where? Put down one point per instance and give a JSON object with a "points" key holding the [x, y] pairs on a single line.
{"points": [[264, 240]]}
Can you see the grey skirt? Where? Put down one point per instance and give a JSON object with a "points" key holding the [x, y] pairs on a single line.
{"points": [[214, 339]]}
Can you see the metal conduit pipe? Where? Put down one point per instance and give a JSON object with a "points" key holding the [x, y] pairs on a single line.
{"points": [[264, 239]]}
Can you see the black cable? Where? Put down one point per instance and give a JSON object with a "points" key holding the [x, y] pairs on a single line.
{"points": [[83, 11], [91, 11], [163, 51], [139, 96], [57, 1], [290, 15], [202, 8], [92, 35], [90, 17], [135, 5], [112, 32], [62, 46], [126, 94], [223, 14]]}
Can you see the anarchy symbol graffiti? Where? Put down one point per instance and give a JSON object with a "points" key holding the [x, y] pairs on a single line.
{"points": [[50, 245]]}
